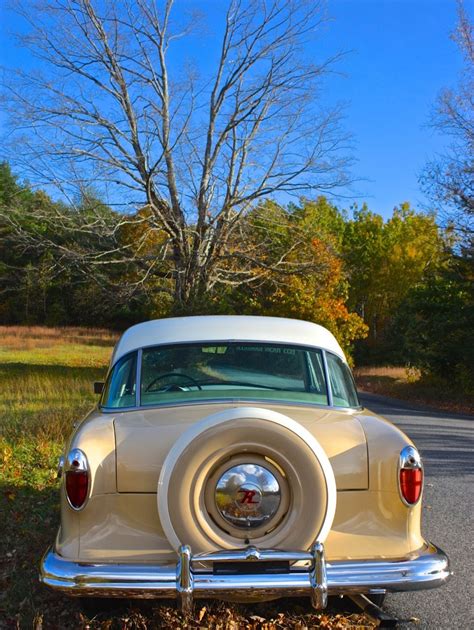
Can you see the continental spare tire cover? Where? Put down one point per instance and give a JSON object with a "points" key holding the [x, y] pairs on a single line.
{"points": [[245, 476]]}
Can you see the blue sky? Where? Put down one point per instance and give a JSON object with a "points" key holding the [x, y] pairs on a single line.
{"points": [[399, 56]]}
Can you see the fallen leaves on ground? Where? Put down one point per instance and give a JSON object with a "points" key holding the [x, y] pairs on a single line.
{"points": [[224, 616]]}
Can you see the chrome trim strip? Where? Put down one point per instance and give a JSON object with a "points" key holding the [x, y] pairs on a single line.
{"points": [[410, 458], [60, 468], [231, 401], [328, 382], [428, 568], [138, 384], [252, 553]]}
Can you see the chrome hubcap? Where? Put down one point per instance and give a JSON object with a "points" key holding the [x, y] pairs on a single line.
{"points": [[247, 495]]}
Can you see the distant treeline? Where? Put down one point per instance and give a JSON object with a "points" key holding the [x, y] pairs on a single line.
{"points": [[392, 291]]}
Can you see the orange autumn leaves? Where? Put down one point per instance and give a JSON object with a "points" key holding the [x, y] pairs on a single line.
{"points": [[299, 250], [321, 296]]}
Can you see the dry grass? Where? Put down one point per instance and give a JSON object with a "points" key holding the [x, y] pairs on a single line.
{"points": [[68, 347], [399, 373], [42, 400], [46, 380], [29, 337], [46, 377], [411, 385]]}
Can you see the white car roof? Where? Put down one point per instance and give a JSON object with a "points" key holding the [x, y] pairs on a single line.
{"points": [[222, 328]]}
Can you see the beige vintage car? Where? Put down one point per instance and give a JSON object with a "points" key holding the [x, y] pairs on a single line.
{"points": [[229, 458]]}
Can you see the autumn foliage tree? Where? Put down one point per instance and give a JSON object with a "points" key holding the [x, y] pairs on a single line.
{"points": [[318, 292]]}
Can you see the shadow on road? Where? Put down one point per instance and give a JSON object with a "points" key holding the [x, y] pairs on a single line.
{"points": [[446, 441]]}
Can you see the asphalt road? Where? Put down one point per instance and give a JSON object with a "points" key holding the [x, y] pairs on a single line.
{"points": [[446, 444]]}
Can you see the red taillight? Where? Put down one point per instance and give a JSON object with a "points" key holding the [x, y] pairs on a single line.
{"points": [[410, 475], [411, 483], [77, 478], [76, 487]]}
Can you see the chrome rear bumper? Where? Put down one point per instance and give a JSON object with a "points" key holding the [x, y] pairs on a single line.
{"points": [[196, 576]]}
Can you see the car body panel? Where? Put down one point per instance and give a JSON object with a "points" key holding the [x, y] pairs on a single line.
{"points": [[125, 527], [121, 522], [145, 436]]}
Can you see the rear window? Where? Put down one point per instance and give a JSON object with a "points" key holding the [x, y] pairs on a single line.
{"points": [[193, 372], [187, 372]]}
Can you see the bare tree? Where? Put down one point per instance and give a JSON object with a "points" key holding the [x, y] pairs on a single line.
{"points": [[450, 178], [106, 105]]}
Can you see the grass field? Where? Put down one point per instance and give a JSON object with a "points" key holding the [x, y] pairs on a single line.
{"points": [[45, 383], [46, 378]]}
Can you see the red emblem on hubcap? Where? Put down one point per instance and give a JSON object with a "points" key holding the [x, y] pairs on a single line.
{"points": [[248, 497]]}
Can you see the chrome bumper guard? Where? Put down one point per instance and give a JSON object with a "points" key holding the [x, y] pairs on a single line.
{"points": [[195, 576]]}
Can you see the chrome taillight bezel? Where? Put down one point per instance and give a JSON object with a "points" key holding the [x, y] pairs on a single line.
{"points": [[76, 462], [60, 468], [410, 459]]}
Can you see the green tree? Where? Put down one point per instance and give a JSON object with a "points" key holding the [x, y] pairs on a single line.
{"points": [[50, 269], [435, 324], [384, 261]]}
